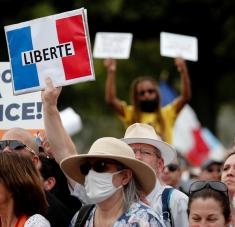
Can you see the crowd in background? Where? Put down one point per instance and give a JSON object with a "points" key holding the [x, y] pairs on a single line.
{"points": [[137, 180]]}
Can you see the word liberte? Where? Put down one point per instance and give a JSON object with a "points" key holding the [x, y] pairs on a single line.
{"points": [[46, 54]]}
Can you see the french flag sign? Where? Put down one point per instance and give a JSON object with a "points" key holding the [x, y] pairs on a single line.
{"points": [[57, 46]]}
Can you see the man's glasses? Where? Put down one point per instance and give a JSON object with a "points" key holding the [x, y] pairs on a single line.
{"points": [[14, 145], [146, 151], [172, 167], [99, 166], [214, 185], [150, 91]]}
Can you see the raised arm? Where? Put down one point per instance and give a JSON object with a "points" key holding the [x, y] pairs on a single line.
{"points": [[185, 84], [60, 142], [110, 88]]}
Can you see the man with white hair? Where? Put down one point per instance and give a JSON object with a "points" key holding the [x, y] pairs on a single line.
{"points": [[149, 148]]}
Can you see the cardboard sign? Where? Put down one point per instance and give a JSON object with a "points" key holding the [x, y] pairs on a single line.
{"points": [[71, 121], [112, 45], [57, 46], [174, 45], [23, 111]]}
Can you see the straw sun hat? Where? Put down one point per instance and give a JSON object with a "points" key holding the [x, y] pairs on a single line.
{"points": [[144, 133], [115, 149]]}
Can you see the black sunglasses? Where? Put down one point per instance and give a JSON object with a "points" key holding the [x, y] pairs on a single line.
{"points": [[215, 185], [14, 145], [172, 167], [99, 166], [150, 91]]}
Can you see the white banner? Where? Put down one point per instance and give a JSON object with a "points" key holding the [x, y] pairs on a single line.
{"points": [[23, 111], [175, 45], [112, 45]]}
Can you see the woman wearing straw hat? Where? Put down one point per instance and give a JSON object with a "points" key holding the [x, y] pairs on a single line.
{"points": [[115, 181]]}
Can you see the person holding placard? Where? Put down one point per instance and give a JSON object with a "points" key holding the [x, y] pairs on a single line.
{"points": [[145, 106]]}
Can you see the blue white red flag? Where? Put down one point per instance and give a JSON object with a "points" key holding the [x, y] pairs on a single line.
{"points": [[57, 46], [192, 140]]}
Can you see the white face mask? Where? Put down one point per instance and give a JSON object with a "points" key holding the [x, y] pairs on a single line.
{"points": [[99, 186]]}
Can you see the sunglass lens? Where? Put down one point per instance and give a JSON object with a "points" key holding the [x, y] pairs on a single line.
{"points": [[172, 167], [100, 166], [151, 91], [219, 186], [197, 186], [85, 168], [16, 145], [3, 144]]}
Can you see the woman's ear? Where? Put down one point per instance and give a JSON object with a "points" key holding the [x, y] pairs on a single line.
{"points": [[126, 176], [36, 161]]}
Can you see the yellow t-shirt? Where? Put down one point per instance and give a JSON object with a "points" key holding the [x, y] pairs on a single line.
{"points": [[168, 112]]}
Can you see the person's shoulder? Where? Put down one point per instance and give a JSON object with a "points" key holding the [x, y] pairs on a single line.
{"points": [[141, 210], [177, 194], [170, 106], [37, 220]]}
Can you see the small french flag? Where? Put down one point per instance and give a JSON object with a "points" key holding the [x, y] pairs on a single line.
{"points": [[57, 46]]}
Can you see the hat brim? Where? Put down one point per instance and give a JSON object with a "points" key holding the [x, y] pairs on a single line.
{"points": [[168, 153], [142, 172]]}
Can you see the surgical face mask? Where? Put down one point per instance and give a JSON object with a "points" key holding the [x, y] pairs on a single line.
{"points": [[99, 186], [148, 105]]}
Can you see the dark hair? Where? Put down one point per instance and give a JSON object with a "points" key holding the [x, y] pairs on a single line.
{"points": [[50, 168], [135, 103], [21, 178], [216, 195]]}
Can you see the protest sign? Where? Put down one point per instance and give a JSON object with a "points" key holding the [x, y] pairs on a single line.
{"points": [[112, 45], [57, 46], [71, 121], [175, 45], [23, 111]]}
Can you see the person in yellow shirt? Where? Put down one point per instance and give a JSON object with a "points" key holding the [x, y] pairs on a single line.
{"points": [[145, 95]]}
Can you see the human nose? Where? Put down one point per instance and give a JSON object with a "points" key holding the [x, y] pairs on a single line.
{"points": [[138, 154], [230, 171], [147, 94], [165, 170], [216, 175]]}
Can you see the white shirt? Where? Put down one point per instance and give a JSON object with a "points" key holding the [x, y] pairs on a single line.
{"points": [[37, 220], [178, 204]]}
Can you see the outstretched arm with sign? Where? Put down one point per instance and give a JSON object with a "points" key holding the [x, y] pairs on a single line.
{"points": [[146, 100], [185, 84], [61, 145], [110, 88], [60, 142]]}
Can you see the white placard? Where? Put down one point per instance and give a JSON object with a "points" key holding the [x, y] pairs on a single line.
{"points": [[23, 111], [112, 45], [175, 45], [71, 121]]}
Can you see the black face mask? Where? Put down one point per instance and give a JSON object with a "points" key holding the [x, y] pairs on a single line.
{"points": [[148, 105]]}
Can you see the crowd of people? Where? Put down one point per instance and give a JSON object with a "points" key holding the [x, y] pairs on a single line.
{"points": [[136, 180]]}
